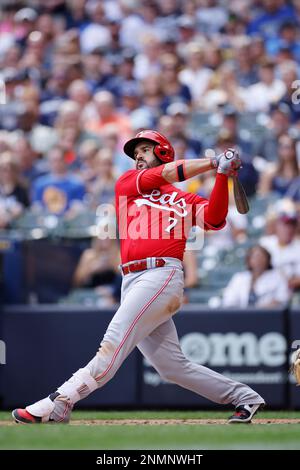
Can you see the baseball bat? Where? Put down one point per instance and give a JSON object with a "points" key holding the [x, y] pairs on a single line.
{"points": [[240, 197]]}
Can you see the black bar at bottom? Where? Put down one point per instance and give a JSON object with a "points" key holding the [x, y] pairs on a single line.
{"points": [[134, 458]]}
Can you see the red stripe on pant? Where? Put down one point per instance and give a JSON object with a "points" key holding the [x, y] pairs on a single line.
{"points": [[139, 315]]}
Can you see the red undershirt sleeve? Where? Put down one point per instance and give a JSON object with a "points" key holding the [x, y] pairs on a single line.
{"points": [[215, 211]]}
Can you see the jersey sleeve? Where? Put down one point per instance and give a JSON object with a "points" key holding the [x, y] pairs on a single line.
{"points": [[135, 182]]}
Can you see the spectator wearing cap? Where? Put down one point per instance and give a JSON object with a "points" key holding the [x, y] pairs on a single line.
{"points": [[244, 65], [124, 76], [187, 26], [9, 113], [282, 174], [180, 114], [169, 43], [268, 91], [172, 89], [259, 286], [195, 74], [25, 20], [288, 38], [284, 245], [113, 52], [126, 65], [95, 34]]}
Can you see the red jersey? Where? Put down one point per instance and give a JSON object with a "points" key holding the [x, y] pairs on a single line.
{"points": [[154, 217]]}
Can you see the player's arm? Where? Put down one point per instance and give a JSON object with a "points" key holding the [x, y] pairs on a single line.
{"points": [[215, 211], [171, 172], [226, 163], [184, 169], [138, 182]]}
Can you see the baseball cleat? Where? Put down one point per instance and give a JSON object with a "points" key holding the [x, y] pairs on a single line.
{"points": [[244, 413], [22, 416]]}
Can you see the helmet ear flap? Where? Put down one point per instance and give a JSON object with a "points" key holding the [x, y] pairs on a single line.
{"points": [[161, 151]]}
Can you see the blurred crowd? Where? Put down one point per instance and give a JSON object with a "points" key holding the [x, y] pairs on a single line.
{"points": [[79, 77]]}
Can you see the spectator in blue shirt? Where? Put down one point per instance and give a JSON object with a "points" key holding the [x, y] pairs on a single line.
{"points": [[274, 14], [59, 192], [288, 38]]}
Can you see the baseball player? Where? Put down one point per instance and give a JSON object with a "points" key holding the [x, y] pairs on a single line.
{"points": [[154, 218]]}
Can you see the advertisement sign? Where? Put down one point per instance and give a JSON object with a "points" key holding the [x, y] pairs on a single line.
{"points": [[45, 346], [249, 346]]}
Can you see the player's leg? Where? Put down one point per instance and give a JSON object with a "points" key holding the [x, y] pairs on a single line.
{"points": [[149, 299], [162, 349]]}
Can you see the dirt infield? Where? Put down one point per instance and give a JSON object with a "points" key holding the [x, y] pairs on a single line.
{"points": [[161, 422]]}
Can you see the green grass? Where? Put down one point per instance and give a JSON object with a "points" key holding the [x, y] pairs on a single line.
{"points": [[269, 436]]}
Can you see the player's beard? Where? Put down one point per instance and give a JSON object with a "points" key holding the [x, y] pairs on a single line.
{"points": [[143, 165]]}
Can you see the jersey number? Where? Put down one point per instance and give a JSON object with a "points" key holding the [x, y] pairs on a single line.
{"points": [[172, 224]]}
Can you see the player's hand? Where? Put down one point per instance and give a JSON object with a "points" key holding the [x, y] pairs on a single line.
{"points": [[229, 162]]}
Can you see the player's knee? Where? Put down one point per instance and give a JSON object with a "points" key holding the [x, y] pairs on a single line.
{"points": [[174, 304]]}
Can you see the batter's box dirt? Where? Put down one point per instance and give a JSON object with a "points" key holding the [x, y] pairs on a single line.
{"points": [[159, 422]]}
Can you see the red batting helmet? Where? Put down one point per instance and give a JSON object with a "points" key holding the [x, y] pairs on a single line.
{"points": [[163, 150]]}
